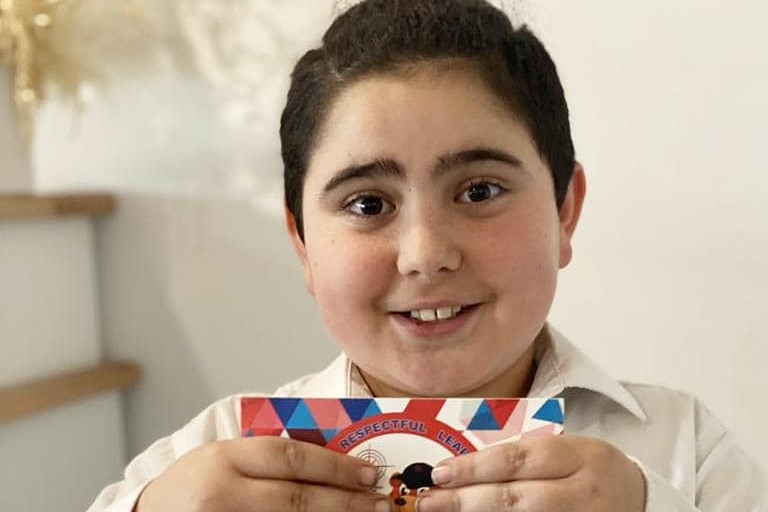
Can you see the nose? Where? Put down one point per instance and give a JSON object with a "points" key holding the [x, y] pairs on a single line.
{"points": [[399, 502], [427, 246]]}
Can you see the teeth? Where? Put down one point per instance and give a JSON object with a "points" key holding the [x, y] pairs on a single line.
{"points": [[432, 315], [428, 315]]}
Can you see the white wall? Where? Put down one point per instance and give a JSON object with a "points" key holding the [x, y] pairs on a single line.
{"points": [[15, 174], [199, 282], [206, 294], [669, 109], [60, 459], [49, 324]]}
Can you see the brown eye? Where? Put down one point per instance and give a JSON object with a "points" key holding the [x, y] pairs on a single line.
{"points": [[368, 205], [479, 192]]}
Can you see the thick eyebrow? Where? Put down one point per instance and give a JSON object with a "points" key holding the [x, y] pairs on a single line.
{"points": [[389, 168], [480, 154], [383, 167]]}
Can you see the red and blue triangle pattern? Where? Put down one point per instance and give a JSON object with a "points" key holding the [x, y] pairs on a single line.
{"points": [[482, 421]]}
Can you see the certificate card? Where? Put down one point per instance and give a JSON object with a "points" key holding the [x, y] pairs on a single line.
{"points": [[403, 437]]}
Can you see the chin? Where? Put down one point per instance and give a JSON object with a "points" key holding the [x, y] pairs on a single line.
{"points": [[423, 375]]}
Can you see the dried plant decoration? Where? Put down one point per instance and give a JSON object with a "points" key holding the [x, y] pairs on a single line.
{"points": [[29, 30], [62, 46]]}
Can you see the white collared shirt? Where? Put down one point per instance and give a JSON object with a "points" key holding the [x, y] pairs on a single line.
{"points": [[689, 459]]}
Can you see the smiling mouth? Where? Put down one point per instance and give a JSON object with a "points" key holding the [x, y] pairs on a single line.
{"points": [[435, 315]]}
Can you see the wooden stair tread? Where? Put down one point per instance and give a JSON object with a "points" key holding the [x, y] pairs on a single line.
{"points": [[31, 206], [46, 393]]}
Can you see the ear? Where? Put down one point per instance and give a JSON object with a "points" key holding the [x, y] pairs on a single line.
{"points": [[570, 211], [300, 248]]}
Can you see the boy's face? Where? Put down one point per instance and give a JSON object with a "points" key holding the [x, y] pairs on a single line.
{"points": [[425, 197]]}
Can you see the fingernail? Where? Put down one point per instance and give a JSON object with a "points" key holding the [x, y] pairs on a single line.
{"points": [[366, 476], [442, 475], [384, 505]]}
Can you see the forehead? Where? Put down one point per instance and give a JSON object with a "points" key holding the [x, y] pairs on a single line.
{"points": [[417, 114]]}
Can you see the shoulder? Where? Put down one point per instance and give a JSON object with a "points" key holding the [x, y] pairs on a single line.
{"points": [[672, 436], [661, 402], [657, 399], [686, 444], [333, 381], [217, 422], [679, 414], [221, 419], [294, 387]]}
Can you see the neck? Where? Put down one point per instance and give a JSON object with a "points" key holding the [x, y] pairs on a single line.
{"points": [[513, 382]]}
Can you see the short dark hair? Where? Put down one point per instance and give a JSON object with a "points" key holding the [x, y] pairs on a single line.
{"points": [[377, 36]]}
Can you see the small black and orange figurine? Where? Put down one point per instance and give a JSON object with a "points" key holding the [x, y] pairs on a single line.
{"points": [[406, 486]]}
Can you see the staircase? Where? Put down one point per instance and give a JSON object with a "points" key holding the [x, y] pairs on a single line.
{"points": [[61, 424]]}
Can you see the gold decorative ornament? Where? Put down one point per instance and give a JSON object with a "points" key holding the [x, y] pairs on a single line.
{"points": [[27, 45]]}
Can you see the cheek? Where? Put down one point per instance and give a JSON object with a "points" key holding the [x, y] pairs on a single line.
{"points": [[350, 277], [516, 248], [519, 262]]}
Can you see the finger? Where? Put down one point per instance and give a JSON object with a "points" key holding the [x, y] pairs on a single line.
{"points": [[528, 459], [286, 459], [521, 496], [285, 496]]}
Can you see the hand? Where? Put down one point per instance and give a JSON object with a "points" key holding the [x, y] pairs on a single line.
{"points": [[264, 474], [544, 474]]}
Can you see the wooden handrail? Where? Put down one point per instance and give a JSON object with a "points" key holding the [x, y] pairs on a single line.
{"points": [[40, 395], [21, 206]]}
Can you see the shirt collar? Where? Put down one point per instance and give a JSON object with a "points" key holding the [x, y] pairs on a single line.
{"points": [[560, 366]]}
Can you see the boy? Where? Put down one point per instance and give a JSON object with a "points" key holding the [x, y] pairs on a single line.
{"points": [[432, 193]]}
